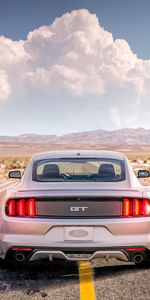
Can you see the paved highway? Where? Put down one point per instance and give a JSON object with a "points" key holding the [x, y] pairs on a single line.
{"points": [[60, 281]]}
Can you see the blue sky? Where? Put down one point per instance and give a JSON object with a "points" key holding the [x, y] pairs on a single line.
{"points": [[125, 19], [44, 86]]}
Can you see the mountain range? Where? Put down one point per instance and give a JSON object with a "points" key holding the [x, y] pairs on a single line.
{"points": [[125, 136]]}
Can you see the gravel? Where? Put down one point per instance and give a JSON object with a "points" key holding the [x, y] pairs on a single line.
{"points": [[122, 281], [114, 280], [39, 281]]}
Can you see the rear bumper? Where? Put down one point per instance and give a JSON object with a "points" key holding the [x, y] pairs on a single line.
{"points": [[48, 234]]}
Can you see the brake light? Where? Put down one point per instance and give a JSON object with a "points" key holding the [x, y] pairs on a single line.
{"points": [[11, 207], [137, 204], [146, 207], [136, 207], [127, 208], [21, 207], [30, 207]]}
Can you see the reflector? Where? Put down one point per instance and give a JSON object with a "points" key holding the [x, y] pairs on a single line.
{"points": [[21, 249], [136, 249]]}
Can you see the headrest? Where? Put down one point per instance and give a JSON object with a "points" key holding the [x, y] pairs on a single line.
{"points": [[51, 170], [106, 170]]}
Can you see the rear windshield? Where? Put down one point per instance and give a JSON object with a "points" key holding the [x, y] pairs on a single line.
{"points": [[77, 170]]}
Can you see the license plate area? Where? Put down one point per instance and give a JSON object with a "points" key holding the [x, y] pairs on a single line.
{"points": [[78, 233]]}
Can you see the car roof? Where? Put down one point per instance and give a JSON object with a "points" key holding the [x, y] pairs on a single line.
{"points": [[79, 153]]}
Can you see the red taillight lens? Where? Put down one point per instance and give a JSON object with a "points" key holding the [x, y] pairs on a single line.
{"points": [[21, 207], [30, 207], [127, 207], [11, 207], [146, 207], [136, 207]]}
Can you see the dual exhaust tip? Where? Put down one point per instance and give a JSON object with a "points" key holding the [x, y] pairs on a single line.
{"points": [[20, 256], [138, 257]]}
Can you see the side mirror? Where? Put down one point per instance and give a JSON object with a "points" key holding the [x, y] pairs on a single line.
{"points": [[143, 174], [14, 174]]}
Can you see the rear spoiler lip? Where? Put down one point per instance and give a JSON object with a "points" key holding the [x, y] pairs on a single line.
{"points": [[79, 193]]}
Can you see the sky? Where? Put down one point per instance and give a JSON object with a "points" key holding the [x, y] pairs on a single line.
{"points": [[69, 66]]}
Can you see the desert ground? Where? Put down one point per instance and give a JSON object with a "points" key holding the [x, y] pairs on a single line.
{"points": [[17, 156]]}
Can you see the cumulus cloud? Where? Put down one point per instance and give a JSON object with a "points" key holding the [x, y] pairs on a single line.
{"points": [[77, 56], [5, 88]]}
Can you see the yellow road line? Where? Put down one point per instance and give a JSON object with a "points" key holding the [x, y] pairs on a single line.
{"points": [[87, 291]]}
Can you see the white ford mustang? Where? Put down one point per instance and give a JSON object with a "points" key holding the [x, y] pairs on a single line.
{"points": [[76, 205]]}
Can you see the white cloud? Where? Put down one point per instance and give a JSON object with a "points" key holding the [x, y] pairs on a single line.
{"points": [[77, 56], [11, 52], [5, 88], [114, 112], [81, 56]]}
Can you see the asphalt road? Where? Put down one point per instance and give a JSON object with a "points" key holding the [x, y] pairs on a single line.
{"points": [[60, 281]]}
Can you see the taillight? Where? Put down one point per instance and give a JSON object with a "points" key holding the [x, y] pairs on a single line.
{"points": [[11, 211], [127, 208], [30, 207], [21, 207], [146, 207], [136, 207]]}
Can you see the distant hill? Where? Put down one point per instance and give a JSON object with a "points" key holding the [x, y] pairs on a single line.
{"points": [[125, 136]]}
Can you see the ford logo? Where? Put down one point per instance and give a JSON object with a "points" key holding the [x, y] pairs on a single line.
{"points": [[78, 233]]}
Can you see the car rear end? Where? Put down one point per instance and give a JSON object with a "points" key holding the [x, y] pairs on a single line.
{"points": [[76, 220]]}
